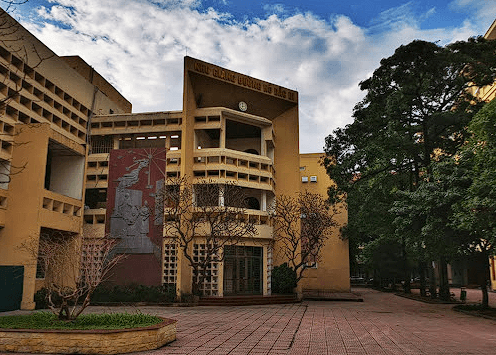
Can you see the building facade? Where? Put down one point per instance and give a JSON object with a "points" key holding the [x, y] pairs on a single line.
{"points": [[45, 109], [84, 161], [332, 272]]}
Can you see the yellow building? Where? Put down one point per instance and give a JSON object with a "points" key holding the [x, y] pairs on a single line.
{"points": [[487, 93], [60, 120], [226, 133], [332, 272], [45, 108]]}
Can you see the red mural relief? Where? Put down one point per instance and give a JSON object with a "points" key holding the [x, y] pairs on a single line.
{"points": [[136, 177]]}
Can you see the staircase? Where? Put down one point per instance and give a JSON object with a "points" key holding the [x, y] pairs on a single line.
{"points": [[247, 300]]}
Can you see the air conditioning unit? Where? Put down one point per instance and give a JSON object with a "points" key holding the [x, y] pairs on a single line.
{"points": [[304, 179], [313, 178], [311, 265]]}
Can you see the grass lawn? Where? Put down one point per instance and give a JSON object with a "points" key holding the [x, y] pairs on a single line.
{"points": [[47, 320]]}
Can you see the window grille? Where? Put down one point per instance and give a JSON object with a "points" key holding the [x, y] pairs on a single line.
{"points": [[269, 270], [101, 144], [92, 260], [170, 263], [210, 285]]}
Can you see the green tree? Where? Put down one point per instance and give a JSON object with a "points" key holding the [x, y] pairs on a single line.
{"points": [[475, 214], [384, 256], [370, 219], [415, 111], [426, 214]]}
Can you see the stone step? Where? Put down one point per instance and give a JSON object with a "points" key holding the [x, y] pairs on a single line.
{"points": [[246, 300]]}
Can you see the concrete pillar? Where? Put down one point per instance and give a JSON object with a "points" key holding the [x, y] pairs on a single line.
{"points": [[263, 202]]}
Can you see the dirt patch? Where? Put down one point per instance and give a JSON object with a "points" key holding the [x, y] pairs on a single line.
{"points": [[477, 310], [427, 299]]}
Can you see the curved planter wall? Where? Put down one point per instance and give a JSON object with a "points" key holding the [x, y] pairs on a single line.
{"points": [[88, 341]]}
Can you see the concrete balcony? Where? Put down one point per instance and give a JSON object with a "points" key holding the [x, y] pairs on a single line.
{"points": [[260, 219], [61, 212], [94, 222], [245, 169], [142, 122]]}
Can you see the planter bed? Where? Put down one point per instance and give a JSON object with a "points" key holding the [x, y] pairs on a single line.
{"points": [[114, 341]]}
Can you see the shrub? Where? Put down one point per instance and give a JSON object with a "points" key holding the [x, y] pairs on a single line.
{"points": [[48, 320], [40, 298], [134, 293], [283, 279], [118, 293]]}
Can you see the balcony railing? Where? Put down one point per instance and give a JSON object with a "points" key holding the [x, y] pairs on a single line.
{"points": [[248, 170], [95, 216], [62, 204]]}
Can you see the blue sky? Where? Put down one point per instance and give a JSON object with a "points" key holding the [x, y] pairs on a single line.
{"points": [[321, 48], [362, 12]]}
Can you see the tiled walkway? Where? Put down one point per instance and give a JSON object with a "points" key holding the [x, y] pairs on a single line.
{"points": [[239, 330], [382, 324]]}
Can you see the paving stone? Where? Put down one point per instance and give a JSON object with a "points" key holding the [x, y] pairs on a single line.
{"points": [[382, 324]]}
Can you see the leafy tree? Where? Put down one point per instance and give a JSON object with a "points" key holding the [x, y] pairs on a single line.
{"points": [[384, 255], [475, 214], [415, 111], [457, 204], [428, 211], [370, 218], [415, 108]]}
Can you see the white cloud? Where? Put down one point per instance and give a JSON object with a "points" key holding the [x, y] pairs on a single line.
{"points": [[395, 16], [139, 46], [481, 13], [274, 8]]}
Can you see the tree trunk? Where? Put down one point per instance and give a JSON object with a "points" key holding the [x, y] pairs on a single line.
{"points": [[422, 268], [406, 271], [485, 296], [195, 288], [484, 278], [444, 291], [432, 281]]}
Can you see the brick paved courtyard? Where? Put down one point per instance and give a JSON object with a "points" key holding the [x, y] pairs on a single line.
{"points": [[382, 324]]}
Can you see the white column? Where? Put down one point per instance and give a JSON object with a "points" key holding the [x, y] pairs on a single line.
{"points": [[221, 195], [263, 203]]}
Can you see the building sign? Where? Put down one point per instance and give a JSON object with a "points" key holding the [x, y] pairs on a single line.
{"points": [[242, 80], [136, 177]]}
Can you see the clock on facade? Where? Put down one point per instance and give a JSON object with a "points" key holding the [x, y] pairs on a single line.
{"points": [[242, 106]]}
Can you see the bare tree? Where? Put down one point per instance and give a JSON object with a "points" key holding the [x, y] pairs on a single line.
{"points": [[72, 268], [208, 213], [302, 225]]}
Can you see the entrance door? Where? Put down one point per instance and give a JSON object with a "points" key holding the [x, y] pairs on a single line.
{"points": [[11, 286], [243, 270]]}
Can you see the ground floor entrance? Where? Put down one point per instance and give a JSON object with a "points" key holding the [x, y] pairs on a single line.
{"points": [[243, 270]]}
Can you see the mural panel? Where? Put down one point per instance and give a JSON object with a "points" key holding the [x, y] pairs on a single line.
{"points": [[135, 179]]}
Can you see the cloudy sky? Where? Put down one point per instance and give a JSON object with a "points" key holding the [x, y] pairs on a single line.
{"points": [[321, 48]]}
